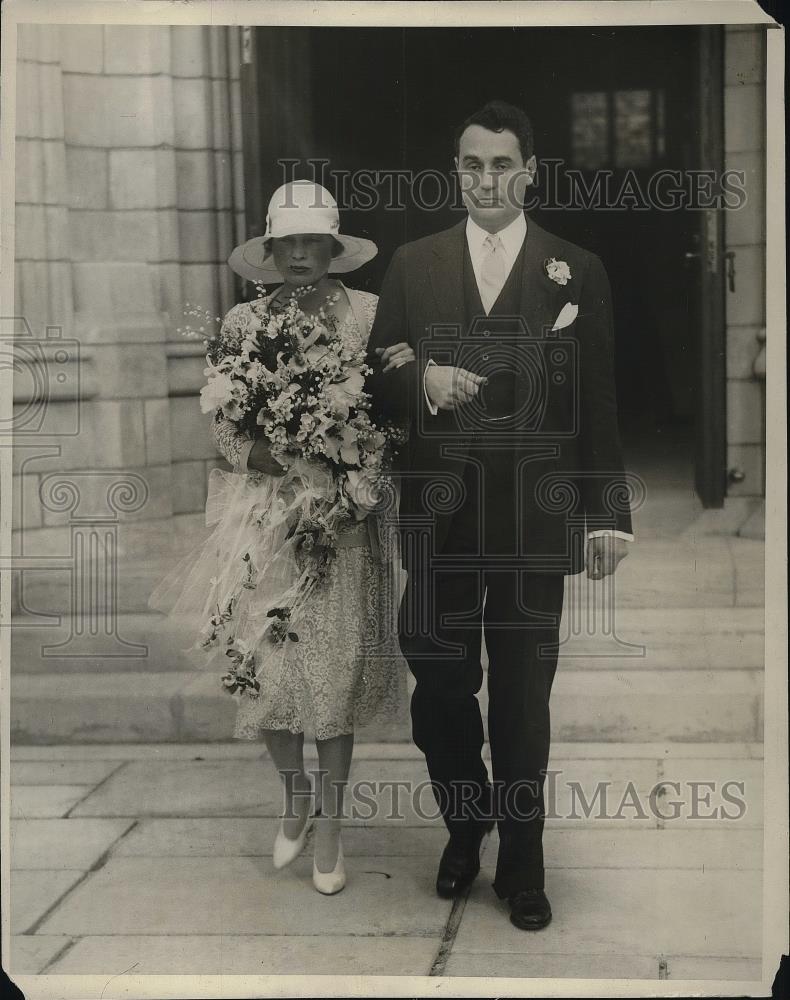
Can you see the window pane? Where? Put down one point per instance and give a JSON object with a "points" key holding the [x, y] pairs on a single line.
{"points": [[589, 130], [632, 128]]}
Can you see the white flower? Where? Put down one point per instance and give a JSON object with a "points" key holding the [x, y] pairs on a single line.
{"points": [[558, 271], [257, 373], [218, 392], [338, 401], [342, 395], [374, 442], [306, 426], [330, 447], [248, 345], [354, 383], [349, 448], [315, 353]]}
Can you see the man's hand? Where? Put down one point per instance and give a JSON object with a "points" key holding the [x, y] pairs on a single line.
{"points": [[604, 553], [395, 355], [449, 387], [260, 459]]}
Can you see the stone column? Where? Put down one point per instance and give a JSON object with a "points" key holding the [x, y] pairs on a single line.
{"points": [[209, 200], [119, 127]]}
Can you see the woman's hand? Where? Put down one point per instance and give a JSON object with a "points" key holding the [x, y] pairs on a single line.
{"points": [[395, 355], [260, 458]]}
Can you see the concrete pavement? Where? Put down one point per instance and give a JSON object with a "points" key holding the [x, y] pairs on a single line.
{"points": [[157, 859]]}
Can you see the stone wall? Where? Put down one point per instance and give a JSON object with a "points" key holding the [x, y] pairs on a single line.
{"points": [[129, 200], [744, 143]]}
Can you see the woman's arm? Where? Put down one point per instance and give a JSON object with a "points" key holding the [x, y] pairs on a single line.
{"points": [[245, 453], [232, 442]]}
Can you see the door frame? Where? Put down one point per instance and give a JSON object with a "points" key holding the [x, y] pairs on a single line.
{"points": [[711, 424]]}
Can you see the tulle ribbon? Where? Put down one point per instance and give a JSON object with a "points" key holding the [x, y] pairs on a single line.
{"points": [[250, 565]]}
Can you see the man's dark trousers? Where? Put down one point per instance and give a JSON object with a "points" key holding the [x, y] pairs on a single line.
{"points": [[446, 719]]}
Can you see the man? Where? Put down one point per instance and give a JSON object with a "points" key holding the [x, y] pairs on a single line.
{"points": [[513, 460]]}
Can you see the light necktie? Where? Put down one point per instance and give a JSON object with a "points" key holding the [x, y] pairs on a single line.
{"points": [[493, 271]]}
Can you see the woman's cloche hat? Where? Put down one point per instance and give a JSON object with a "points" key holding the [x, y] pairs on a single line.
{"points": [[298, 208]]}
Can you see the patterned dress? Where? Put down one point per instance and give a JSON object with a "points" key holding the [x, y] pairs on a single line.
{"points": [[346, 669]]}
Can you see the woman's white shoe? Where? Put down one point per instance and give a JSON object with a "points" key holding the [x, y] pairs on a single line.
{"points": [[286, 850], [331, 882]]}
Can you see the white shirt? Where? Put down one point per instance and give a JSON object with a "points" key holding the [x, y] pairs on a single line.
{"points": [[512, 237]]}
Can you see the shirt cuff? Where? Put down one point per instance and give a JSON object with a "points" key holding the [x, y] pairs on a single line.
{"points": [[432, 407], [610, 531], [244, 454]]}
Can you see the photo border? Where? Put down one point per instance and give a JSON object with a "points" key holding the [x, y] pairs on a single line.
{"points": [[532, 13]]}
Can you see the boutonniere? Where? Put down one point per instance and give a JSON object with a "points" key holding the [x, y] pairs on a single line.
{"points": [[558, 270]]}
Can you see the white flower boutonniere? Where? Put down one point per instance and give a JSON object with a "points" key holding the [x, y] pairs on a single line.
{"points": [[558, 270]]}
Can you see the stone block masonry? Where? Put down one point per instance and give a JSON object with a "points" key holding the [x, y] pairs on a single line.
{"points": [[126, 208]]}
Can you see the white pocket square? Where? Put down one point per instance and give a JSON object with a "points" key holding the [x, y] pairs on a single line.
{"points": [[567, 315]]}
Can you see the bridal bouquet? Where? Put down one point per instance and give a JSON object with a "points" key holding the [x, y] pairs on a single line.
{"points": [[291, 378]]}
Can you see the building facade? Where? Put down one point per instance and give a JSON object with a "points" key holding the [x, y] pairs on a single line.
{"points": [[130, 194]]}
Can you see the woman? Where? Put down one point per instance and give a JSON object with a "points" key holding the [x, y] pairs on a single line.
{"points": [[337, 675]]}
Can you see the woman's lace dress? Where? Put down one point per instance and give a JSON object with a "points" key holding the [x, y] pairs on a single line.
{"points": [[346, 669]]}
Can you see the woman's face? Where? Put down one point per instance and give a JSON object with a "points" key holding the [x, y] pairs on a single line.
{"points": [[303, 259]]}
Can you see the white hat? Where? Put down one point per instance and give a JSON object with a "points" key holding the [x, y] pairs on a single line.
{"points": [[296, 208]]}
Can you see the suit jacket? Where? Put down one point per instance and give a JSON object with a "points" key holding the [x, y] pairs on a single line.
{"points": [[564, 451]]}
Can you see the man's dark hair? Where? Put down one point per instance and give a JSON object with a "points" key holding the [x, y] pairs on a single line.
{"points": [[497, 116]]}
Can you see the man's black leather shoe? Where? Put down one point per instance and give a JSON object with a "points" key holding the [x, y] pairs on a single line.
{"points": [[529, 909], [460, 863]]}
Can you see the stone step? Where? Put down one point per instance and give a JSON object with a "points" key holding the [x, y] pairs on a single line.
{"points": [[643, 639], [601, 705], [697, 571], [692, 675]]}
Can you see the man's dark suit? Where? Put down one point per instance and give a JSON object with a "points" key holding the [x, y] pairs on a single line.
{"points": [[494, 512]]}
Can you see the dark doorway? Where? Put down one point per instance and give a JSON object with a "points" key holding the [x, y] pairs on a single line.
{"points": [[620, 103]]}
